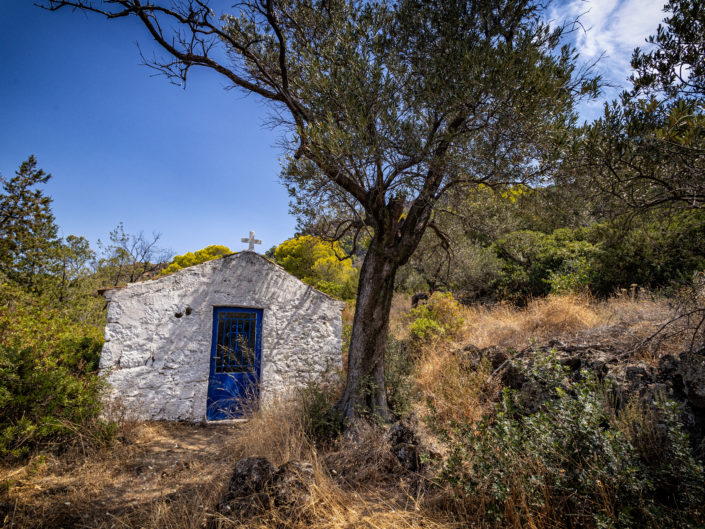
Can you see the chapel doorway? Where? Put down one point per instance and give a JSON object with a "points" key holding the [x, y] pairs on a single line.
{"points": [[233, 384]]}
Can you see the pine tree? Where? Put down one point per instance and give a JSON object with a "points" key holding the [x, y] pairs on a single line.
{"points": [[28, 232]]}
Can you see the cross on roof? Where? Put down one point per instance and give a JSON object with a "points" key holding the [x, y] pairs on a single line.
{"points": [[252, 241]]}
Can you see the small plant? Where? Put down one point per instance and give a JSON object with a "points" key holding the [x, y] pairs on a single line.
{"points": [[440, 318], [322, 422]]}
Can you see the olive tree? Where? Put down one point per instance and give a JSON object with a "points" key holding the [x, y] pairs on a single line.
{"points": [[384, 108]]}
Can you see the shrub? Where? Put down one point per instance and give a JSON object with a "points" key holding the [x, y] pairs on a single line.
{"points": [[661, 250], [440, 318], [570, 464], [322, 422], [537, 263], [203, 255], [47, 398], [49, 387], [318, 263]]}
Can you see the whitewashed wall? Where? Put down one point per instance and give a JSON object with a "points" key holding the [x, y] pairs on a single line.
{"points": [[158, 364]]}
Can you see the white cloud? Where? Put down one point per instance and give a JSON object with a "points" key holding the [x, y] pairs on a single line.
{"points": [[613, 28]]}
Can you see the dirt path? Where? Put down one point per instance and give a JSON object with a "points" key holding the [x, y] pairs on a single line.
{"points": [[161, 462]]}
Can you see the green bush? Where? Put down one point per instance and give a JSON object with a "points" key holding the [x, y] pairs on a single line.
{"points": [[660, 251], [47, 399], [571, 465], [322, 422], [439, 318], [538, 263], [657, 252], [49, 387]]}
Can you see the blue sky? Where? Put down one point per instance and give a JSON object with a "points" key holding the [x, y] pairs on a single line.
{"points": [[195, 165]]}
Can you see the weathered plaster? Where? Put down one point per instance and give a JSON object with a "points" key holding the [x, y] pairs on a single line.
{"points": [[158, 364]]}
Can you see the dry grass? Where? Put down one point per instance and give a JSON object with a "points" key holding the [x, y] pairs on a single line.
{"points": [[162, 462], [455, 392], [172, 476], [461, 394], [275, 431], [624, 322]]}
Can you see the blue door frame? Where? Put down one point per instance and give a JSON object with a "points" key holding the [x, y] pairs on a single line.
{"points": [[236, 351]]}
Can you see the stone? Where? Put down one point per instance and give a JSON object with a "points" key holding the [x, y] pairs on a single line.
{"points": [[404, 445], [692, 369], [291, 483], [158, 364], [256, 485], [494, 354], [247, 491]]}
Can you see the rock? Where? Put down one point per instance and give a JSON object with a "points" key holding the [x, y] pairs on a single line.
{"points": [[692, 369], [291, 483], [247, 492], [637, 375], [404, 445], [667, 366], [256, 485], [474, 356], [512, 376], [358, 430]]}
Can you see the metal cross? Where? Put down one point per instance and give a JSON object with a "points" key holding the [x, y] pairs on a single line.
{"points": [[252, 241]]}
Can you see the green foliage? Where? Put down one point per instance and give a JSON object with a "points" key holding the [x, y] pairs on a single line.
{"points": [[47, 398], [320, 264], [208, 253], [536, 262], [49, 387], [654, 251], [675, 64], [439, 318], [570, 463], [399, 377], [321, 419], [646, 151]]}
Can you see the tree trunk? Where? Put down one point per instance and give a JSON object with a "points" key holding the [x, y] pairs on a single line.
{"points": [[365, 393]]}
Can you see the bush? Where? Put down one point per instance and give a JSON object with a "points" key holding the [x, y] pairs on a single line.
{"points": [[538, 263], [322, 422], [318, 263], [660, 251], [440, 318], [203, 255], [47, 398], [49, 387], [571, 465]]}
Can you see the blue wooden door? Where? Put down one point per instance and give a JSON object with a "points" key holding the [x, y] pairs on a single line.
{"points": [[235, 362]]}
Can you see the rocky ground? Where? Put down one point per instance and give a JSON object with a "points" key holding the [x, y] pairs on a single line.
{"points": [[679, 377]]}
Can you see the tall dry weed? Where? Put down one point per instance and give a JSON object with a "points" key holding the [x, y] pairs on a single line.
{"points": [[450, 388], [508, 326], [275, 431]]}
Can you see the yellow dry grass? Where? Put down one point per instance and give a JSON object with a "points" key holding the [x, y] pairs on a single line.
{"points": [[460, 394], [172, 475]]}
